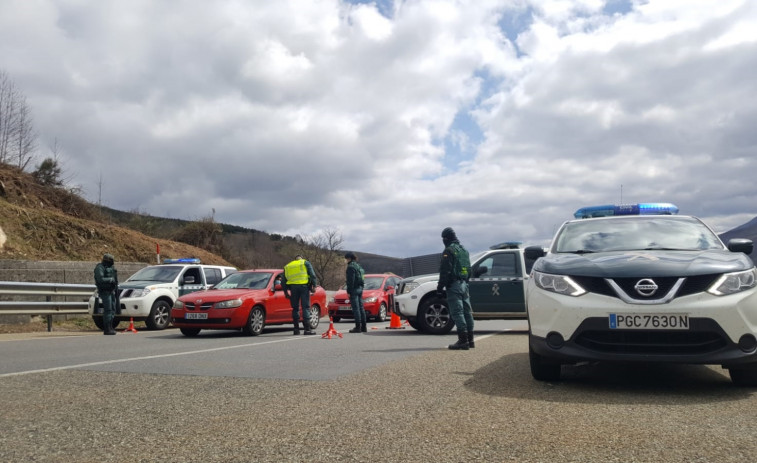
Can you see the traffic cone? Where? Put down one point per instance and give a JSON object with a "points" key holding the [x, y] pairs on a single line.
{"points": [[395, 323], [131, 328], [331, 331]]}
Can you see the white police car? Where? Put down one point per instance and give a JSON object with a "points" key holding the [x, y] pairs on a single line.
{"points": [[638, 283], [149, 294]]}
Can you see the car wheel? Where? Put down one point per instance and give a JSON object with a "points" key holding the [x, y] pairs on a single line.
{"points": [[744, 376], [414, 323], [191, 332], [541, 368], [315, 316], [381, 317], [433, 316], [255, 322], [160, 315]]}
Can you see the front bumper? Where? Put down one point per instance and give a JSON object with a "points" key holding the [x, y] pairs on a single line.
{"points": [[722, 330]]}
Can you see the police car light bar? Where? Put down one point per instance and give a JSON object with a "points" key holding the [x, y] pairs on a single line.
{"points": [[507, 245], [626, 209], [183, 260]]}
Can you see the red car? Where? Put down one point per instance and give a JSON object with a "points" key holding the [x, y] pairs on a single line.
{"points": [[376, 294], [247, 300]]}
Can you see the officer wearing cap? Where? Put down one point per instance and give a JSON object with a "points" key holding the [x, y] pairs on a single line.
{"points": [[297, 282], [106, 280], [355, 281], [454, 272]]}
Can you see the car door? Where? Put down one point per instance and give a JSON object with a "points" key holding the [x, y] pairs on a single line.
{"points": [[496, 286], [191, 280], [278, 307]]}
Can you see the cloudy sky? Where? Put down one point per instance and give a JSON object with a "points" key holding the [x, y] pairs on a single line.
{"points": [[389, 120]]}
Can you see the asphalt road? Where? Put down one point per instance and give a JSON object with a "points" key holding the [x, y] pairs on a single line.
{"points": [[388, 395]]}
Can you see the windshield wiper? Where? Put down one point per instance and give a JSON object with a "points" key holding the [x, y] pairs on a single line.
{"points": [[583, 251]]}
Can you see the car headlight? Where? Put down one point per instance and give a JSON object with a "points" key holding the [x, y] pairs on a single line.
{"points": [[409, 287], [228, 304], [177, 304], [140, 292], [560, 284], [370, 299], [731, 283]]}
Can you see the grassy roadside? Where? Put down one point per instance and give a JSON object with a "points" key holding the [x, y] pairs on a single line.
{"points": [[37, 324]]}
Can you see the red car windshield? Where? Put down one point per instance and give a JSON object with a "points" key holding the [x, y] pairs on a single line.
{"points": [[245, 280]]}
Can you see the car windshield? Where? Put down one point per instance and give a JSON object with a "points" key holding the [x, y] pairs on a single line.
{"points": [[635, 234], [246, 280], [160, 273], [373, 282]]}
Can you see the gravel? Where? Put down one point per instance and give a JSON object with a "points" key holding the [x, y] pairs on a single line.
{"points": [[437, 406]]}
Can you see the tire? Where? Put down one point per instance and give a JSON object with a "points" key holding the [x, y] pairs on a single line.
{"points": [[382, 313], [745, 377], [101, 325], [190, 332], [160, 315], [414, 323], [434, 317], [315, 316], [255, 322], [541, 368]]}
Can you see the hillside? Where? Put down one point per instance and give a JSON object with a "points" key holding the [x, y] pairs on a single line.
{"points": [[46, 223]]}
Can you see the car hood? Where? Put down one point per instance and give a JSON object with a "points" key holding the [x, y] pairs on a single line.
{"points": [[224, 294], [342, 293], [644, 263], [420, 279]]}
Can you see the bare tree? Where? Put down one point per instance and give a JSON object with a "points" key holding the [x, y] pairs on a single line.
{"points": [[18, 139], [322, 250]]}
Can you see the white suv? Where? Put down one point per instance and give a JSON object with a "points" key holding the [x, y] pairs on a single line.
{"points": [[149, 294], [636, 283]]}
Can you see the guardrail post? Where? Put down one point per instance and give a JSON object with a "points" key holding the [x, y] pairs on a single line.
{"points": [[49, 316]]}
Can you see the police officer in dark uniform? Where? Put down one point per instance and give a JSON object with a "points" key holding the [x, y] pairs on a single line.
{"points": [[106, 280], [355, 281], [298, 281], [454, 272]]}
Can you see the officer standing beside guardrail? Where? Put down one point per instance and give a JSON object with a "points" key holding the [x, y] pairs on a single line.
{"points": [[106, 280]]}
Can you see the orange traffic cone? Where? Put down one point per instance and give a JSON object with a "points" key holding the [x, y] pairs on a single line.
{"points": [[131, 328], [395, 323], [331, 331]]}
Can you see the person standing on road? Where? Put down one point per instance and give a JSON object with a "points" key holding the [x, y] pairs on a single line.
{"points": [[106, 280], [298, 279], [355, 283], [454, 272]]}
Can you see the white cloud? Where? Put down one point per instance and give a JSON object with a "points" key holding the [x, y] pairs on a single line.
{"points": [[295, 116]]}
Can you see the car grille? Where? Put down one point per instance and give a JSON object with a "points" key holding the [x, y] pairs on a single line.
{"points": [[193, 306], [705, 336], [207, 321], [691, 285]]}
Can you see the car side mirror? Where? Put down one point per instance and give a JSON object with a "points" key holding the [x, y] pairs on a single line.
{"points": [[534, 252], [479, 270], [277, 287], [388, 288], [741, 245], [188, 280]]}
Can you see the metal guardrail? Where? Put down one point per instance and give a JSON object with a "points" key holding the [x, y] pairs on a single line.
{"points": [[48, 306]]}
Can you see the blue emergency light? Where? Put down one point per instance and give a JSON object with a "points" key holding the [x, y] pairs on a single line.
{"points": [[183, 260], [626, 209]]}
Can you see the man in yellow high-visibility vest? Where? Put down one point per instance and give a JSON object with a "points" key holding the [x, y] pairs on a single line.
{"points": [[299, 278]]}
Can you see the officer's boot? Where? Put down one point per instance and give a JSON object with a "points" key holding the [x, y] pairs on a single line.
{"points": [[108, 327], [356, 329], [363, 327], [308, 329], [470, 340], [296, 328], [462, 342]]}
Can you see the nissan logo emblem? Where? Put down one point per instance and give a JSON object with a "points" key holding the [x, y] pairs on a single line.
{"points": [[646, 287]]}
